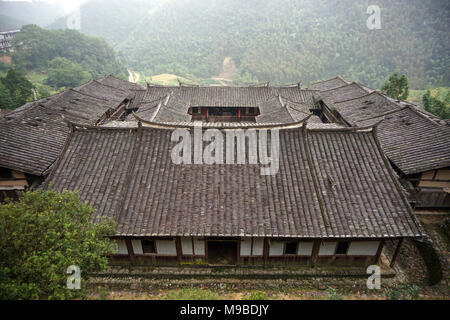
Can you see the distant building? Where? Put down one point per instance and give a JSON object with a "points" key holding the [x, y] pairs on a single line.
{"points": [[6, 38]]}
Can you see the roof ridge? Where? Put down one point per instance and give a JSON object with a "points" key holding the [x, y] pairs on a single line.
{"points": [[313, 174], [176, 125], [366, 95], [108, 86], [322, 81], [397, 185], [383, 114], [87, 95]]}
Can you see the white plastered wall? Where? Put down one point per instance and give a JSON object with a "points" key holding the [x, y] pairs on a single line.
{"points": [[199, 246], [363, 248], [327, 248], [166, 247], [186, 246]]}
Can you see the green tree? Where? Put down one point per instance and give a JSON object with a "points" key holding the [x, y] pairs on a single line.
{"points": [[397, 86], [64, 73], [43, 234], [18, 86], [5, 98], [34, 47], [436, 105]]}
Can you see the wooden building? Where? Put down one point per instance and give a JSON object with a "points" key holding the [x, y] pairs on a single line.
{"points": [[337, 197], [334, 200]]}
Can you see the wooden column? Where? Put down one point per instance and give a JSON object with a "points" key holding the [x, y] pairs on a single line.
{"points": [[179, 249], [238, 247], [380, 249], [315, 253], [130, 250], [266, 250], [397, 250]]}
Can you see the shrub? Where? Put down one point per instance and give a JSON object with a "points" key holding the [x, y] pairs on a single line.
{"points": [[256, 295], [43, 234], [334, 294], [399, 291]]}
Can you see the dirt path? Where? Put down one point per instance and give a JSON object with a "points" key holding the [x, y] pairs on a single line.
{"points": [[133, 77], [228, 70]]}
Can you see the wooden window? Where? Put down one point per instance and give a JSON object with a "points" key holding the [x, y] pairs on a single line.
{"points": [[290, 248], [148, 246], [342, 247]]}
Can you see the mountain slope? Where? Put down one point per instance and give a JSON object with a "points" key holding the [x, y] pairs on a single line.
{"points": [[288, 40], [279, 40]]}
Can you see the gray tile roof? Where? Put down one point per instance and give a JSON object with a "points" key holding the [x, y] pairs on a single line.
{"points": [[412, 139], [344, 93], [32, 136], [328, 84], [331, 183], [413, 142]]}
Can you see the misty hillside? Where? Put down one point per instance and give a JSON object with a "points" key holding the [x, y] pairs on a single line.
{"points": [[22, 12], [280, 40], [113, 20], [8, 23], [289, 40]]}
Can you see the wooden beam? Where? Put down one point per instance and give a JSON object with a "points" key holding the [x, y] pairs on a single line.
{"points": [[397, 250]]}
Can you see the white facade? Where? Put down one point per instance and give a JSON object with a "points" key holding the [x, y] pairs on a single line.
{"points": [[327, 248], [246, 247], [137, 246], [258, 246], [276, 248], [305, 248], [252, 247], [121, 247], [166, 247], [199, 246], [363, 248], [186, 246]]}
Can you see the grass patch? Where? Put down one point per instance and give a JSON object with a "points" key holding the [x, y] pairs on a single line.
{"points": [[191, 294], [256, 295]]}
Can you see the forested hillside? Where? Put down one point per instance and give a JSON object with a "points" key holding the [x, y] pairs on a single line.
{"points": [[54, 60], [291, 40], [8, 23], [35, 48], [280, 40]]}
